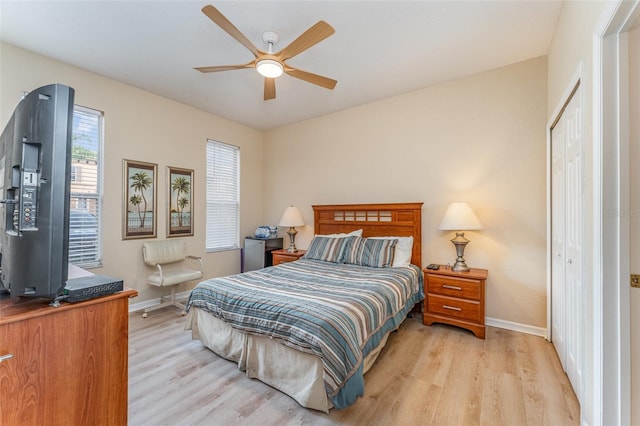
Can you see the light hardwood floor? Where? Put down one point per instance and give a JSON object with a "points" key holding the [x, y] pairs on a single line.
{"points": [[437, 375]]}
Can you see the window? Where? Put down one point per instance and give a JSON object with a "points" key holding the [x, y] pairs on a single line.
{"points": [[223, 196], [86, 175]]}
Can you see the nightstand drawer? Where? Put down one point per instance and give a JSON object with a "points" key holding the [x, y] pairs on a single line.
{"points": [[282, 256], [455, 287], [455, 308]]}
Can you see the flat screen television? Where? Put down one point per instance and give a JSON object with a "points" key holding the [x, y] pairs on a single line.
{"points": [[35, 173]]}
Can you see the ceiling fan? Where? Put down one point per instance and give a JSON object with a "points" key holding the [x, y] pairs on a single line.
{"points": [[269, 64]]}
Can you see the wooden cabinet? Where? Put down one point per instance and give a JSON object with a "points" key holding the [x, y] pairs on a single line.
{"points": [[455, 298], [281, 256], [66, 365]]}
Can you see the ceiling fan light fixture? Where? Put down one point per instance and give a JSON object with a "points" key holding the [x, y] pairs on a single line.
{"points": [[269, 68]]}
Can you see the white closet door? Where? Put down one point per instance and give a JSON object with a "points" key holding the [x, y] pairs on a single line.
{"points": [[573, 233], [558, 324], [567, 236]]}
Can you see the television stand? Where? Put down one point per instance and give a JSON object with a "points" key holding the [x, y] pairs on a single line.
{"points": [[76, 356]]}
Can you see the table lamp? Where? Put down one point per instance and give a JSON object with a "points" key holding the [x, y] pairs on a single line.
{"points": [[459, 217], [291, 218]]}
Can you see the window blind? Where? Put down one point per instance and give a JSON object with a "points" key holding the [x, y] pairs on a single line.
{"points": [[223, 196], [85, 196]]}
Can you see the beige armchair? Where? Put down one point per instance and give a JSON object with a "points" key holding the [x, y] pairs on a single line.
{"points": [[173, 267]]}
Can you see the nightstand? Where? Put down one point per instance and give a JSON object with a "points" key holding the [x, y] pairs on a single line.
{"points": [[455, 298], [282, 256]]}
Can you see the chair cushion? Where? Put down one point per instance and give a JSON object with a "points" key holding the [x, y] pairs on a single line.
{"points": [[174, 277]]}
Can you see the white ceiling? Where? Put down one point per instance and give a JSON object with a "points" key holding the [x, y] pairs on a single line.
{"points": [[380, 48]]}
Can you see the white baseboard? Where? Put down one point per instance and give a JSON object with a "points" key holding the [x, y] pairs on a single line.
{"points": [[515, 326], [148, 303]]}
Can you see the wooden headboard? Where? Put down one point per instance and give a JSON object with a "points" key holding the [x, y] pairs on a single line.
{"points": [[375, 220]]}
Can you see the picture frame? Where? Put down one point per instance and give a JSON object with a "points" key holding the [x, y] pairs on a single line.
{"points": [[139, 215], [179, 202]]}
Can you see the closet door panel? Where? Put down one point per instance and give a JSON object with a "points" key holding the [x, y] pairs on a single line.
{"points": [[573, 224], [567, 211], [558, 243]]}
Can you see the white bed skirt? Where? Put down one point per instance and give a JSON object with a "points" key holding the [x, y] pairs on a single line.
{"points": [[295, 373]]}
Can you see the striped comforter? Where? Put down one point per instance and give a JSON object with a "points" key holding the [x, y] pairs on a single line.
{"points": [[339, 312]]}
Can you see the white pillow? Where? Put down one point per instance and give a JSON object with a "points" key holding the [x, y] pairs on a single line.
{"points": [[404, 248], [356, 233]]}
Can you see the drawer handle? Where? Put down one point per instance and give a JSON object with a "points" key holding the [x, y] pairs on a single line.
{"points": [[5, 357], [451, 287], [452, 308]]}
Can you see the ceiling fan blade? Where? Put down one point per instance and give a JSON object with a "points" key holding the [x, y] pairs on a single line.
{"points": [[219, 19], [312, 36], [319, 80], [225, 67], [269, 88]]}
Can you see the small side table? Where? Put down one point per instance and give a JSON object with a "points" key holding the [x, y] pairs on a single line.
{"points": [[455, 298], [282, 256]]}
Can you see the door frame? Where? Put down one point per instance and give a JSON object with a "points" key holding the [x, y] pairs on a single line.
{"points": [[611, 323]]}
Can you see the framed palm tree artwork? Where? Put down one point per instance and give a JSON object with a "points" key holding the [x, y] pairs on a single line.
{"points": [[139, 215], [180, 202]]}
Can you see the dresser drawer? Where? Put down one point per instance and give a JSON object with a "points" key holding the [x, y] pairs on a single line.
{"points": [[455, 287], [455, 308]]}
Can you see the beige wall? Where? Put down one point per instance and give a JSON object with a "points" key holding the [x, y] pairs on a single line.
{"points": [[479, 139], [142, 126], [634, 254]]}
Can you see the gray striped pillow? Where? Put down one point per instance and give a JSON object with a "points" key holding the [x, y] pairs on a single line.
{"points": [[375, 253], [327, 249]]}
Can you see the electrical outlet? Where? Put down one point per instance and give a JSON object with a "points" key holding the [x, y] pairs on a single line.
{"points": [[635, 280]]}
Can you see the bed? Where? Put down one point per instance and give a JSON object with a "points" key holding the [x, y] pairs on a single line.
{"points": [[300, 327]]}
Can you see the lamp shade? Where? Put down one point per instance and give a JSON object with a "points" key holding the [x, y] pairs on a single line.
{"points": [[291, 217], [459, 217]]}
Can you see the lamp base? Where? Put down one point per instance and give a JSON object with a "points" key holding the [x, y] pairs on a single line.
{"points": [[292, 238], [460, 266], [460, 243]]}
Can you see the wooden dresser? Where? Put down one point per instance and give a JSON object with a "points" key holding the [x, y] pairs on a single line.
{"points": [[281, 256], [66, 365], [455, 298]]}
